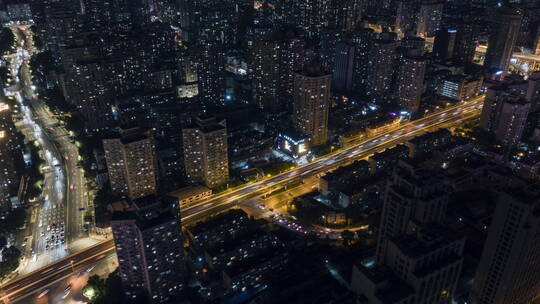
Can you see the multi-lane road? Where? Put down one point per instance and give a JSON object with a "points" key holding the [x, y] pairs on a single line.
{"points": [[77, 202], [39, 281], [57, 221], [451, 116]]}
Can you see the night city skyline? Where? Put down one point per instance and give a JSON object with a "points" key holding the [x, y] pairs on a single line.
{"points": [[270, 151]]}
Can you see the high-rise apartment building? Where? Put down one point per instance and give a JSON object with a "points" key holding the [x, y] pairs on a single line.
{"points": [[274, 62], [509, 265], [533, 92], [418, 259], [312, 103], [149, 246], [410, 80], [342, 15], [406, 16], [212, 72], [504, 113], [502, 40], [362, 38], [85, 83], [293, 58], [265, 58], [313, 15], [131, 162], [205, 151], [380, 67], [429, 17], [413, 195]]}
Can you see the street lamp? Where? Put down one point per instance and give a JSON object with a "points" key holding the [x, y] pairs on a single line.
{"points": [[72, 268]]}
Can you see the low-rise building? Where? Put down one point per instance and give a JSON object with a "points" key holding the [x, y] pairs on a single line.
{"points": [[387, 159], [238, 249], [190, 194], [459, 87], [428, 142]]}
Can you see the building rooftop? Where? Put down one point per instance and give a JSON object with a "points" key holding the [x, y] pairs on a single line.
{"points": [[232, 218], [431, 137], [207, 123], [148, 219], [313, 69], [392, 153], [188, 191], [247, 264], [426, 240], [390, 288]]}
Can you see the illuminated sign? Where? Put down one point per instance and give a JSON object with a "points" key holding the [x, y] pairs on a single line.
{"points": [[294, 147], [287, 145], [302, 148]]}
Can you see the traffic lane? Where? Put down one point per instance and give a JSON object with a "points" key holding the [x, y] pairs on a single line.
{"points": [[36, 284], [58, 275], [305, 169], [291, 223], [48, 270], [53, 193], [370, 148], [75, 199]]}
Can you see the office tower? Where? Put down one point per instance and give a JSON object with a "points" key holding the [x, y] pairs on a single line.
{"points": [[362, 38], [410, 80], [212, 72], [504, 114], [149, 246], [328, 41], [342, 76], [418, 258], [131, 162], [503, 37], [312, 103], [380, 67], [429, 18], [459, 87], [509, 267], [205, 151], [465, 46], [445, 42]]}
